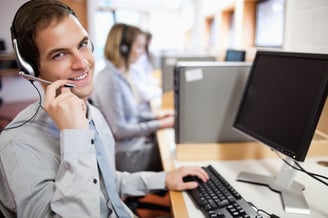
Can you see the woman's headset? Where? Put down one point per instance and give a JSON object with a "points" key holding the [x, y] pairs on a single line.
{"points": [[124, 45]]}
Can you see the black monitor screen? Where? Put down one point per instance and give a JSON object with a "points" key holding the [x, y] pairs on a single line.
{"points": [[283, 100]]}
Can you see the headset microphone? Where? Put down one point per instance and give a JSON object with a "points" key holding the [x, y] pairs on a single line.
{"points": [[30, 77]]}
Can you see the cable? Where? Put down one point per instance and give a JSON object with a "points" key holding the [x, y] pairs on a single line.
{"points": [[313, 175], [271, 215], [33, 116], [301, 169]]}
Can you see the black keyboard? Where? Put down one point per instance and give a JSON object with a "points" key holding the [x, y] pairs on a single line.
{"points": [[217, 198]]}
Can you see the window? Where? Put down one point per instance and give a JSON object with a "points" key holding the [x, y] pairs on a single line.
{"points": [[269, 23]]}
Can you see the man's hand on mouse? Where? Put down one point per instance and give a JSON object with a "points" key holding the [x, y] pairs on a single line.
{"points": [[174, 179]]}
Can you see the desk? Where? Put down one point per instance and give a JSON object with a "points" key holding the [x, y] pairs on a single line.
{"points": [[233, 158], [261, 196]]}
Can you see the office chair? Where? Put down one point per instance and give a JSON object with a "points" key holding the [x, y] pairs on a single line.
{"points": [[135, 203]]}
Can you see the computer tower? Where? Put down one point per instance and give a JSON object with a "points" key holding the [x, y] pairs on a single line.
{"points": [[168, 63]]}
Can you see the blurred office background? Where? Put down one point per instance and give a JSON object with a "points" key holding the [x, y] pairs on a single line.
{"points": [[191, 26]]}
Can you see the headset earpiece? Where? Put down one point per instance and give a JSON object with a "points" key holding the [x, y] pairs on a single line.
{"points": [[124, 49], [124, 46], [22, 64]]}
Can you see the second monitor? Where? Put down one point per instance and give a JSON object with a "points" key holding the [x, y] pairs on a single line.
{"points": [[206, 98], [235, 55]]}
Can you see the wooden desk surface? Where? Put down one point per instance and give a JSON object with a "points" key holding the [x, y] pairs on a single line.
{"points": [[214, 151]]}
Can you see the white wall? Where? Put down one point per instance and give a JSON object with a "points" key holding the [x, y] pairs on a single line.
{"points": [[7, 11], [306, 27], [14, 88]]}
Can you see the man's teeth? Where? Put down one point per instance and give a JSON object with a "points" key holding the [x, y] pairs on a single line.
{"points": [[80, 77]]}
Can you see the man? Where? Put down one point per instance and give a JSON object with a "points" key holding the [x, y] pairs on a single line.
{"points": [[57, 155]]}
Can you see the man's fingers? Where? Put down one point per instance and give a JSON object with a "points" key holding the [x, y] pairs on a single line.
{"points": [[53, 89]]}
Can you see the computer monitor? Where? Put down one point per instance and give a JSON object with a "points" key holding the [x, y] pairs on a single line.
{"points": [[280, 107], [168, 63], [235, 55], [206, 99]]}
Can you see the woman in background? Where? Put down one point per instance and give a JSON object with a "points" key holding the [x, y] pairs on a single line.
{"points": [[142, 73], [116, 96]]}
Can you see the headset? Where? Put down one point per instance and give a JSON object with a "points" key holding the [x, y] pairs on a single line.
{"points": [[24, 66], [124, 45], [26, 69]]}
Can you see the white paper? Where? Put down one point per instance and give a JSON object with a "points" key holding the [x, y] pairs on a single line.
{"points": [[194, 75]]}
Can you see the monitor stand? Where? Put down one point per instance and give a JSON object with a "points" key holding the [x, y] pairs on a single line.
{"points": [[291, 191]]}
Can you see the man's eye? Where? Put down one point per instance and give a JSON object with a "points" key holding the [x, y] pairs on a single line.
{"points": [[58, 55]]}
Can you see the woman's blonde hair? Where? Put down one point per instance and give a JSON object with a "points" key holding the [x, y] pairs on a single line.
{"points": [[118, 35]]}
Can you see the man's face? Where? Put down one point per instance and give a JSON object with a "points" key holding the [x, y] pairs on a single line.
{"points": [[66, 54]]}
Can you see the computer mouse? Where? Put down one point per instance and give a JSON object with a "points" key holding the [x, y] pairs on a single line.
{"points": [[189, 178]]}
